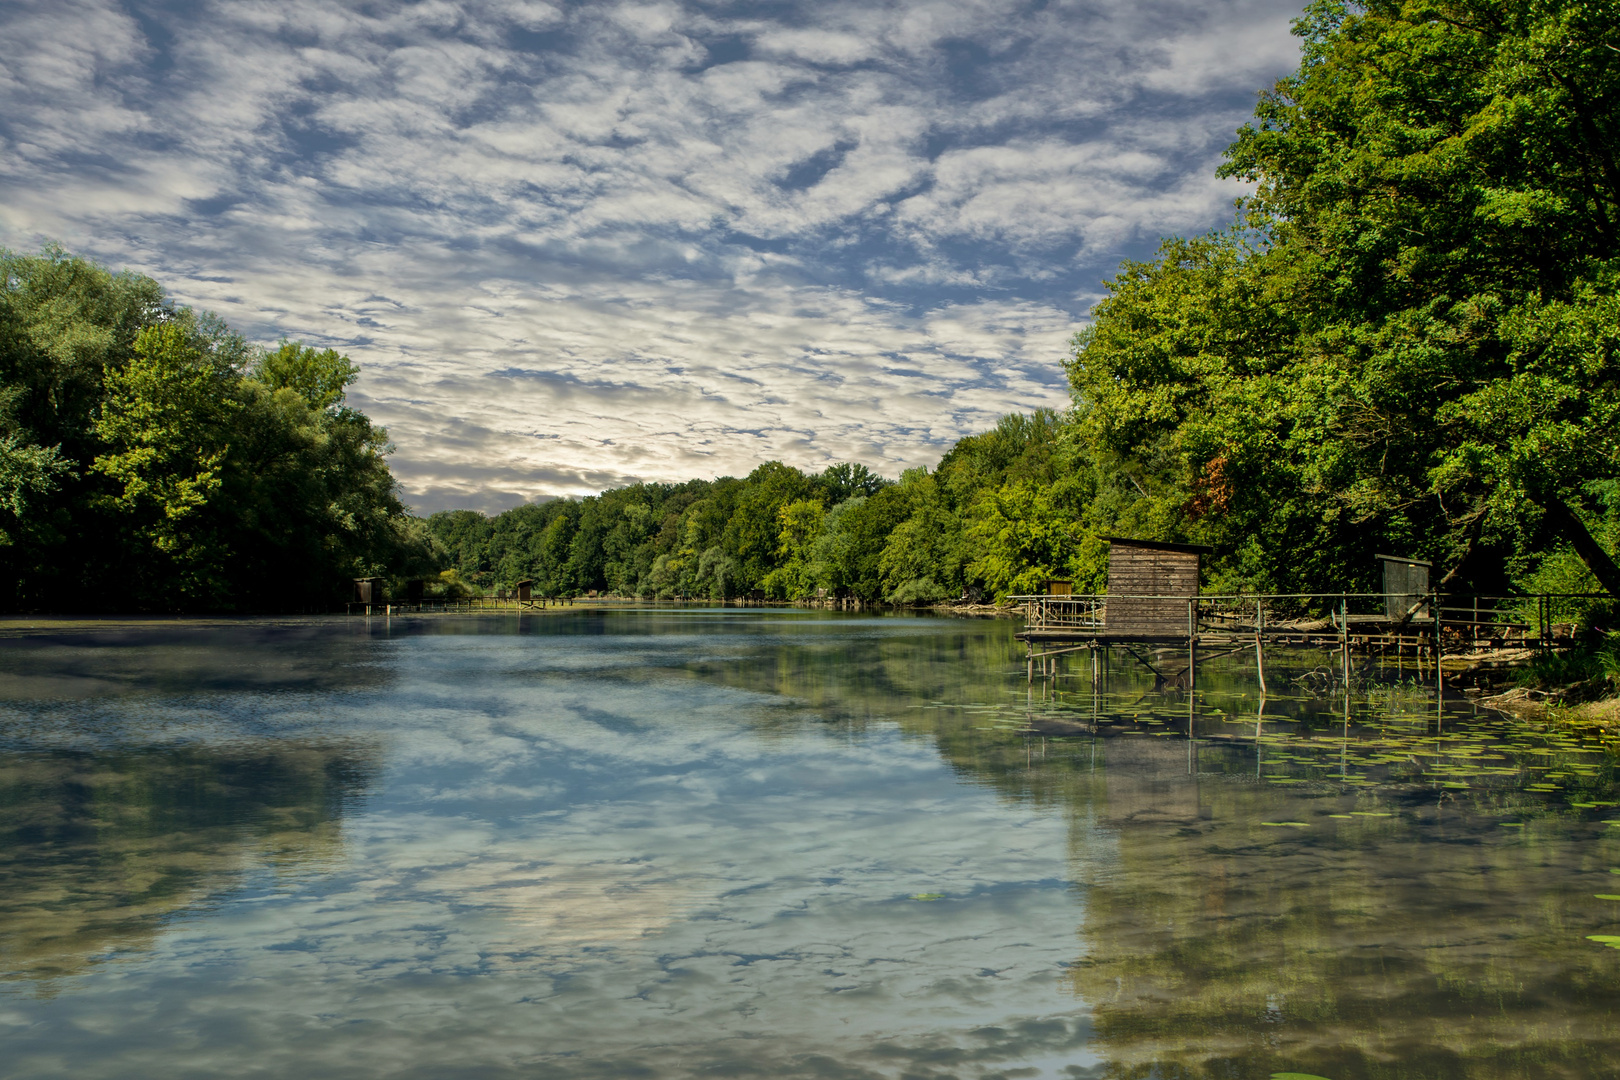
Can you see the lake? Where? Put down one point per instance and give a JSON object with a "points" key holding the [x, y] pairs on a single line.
{"points": [[767, 842]]}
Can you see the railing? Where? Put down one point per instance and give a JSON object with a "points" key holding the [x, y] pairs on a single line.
{"points": [[1063, 612], [1454, 617], [462, 603]]}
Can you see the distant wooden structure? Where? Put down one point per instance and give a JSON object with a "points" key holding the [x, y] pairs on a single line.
{"points": [[1059, 587], [525, 590], [1406, 583], [1149, 586], [370, 591], [1153, 602]]}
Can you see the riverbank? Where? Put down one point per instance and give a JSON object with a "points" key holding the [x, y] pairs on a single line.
{"points": [[1532, 704]]}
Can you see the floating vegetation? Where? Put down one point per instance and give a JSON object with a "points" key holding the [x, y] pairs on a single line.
{"points": [[927, 896], [1611, 940], [1290, 824]]}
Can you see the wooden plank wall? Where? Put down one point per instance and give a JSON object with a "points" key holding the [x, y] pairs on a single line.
{"points": [[1404, 585], [1140, 571]]}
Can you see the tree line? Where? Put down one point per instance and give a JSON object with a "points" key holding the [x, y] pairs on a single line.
{"points": [[1406, 342], [983, 522]]}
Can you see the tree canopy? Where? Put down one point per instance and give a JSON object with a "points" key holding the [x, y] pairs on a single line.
{"points": [[152, 460], [1408, 342]]}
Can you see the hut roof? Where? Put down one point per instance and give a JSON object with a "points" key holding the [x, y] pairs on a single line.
{"points": [[1160, 545], [1404, 559]]}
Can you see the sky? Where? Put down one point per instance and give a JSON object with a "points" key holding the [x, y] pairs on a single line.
{"points": [[573, 246]]}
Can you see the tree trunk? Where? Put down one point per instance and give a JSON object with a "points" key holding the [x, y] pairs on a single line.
{"points": [[1573, 529]]}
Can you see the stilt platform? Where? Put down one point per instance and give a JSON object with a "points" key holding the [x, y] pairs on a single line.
{"points": [[1431, 625]]}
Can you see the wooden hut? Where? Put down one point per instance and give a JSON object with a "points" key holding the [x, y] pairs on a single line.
{"points": [[525, 590], [1149, 584], [1059, 587], [1406, 581], [369, 591]]}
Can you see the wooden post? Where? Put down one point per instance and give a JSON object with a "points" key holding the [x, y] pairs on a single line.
{"points": [[1096, 703], [1192, 761], [1439, 669], [1192, 649], [1259, 650], [1344, 639]]}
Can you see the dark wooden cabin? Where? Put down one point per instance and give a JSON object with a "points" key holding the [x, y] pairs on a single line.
{"points": [[369, 590], [1149, 584], [525, 590], [1406, 581]]}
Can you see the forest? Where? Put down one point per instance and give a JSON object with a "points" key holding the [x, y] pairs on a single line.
{"points": [[1407, 341]]}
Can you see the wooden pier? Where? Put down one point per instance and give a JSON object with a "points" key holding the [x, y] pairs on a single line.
{"points": [[1423, 626], [1153, 602]]}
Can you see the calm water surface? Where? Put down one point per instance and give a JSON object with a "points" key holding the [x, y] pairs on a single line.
{"points": [[778, 843]]}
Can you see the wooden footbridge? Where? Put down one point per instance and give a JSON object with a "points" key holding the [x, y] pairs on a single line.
{"points": [[1153, 603]]}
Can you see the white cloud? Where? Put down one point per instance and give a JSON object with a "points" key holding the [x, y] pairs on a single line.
{"points": [[653, 240]]}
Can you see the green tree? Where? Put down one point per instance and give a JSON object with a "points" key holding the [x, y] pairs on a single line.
{"points": [[751, 530], [1410, 345], [1439, 184], [321, 377], [28, 473], [850, 548], [1025, 533], [847, 480], [717, 575], [801, 524], [310, 503], [150, 458], [164, 421], [64, 322], [923, 559]]}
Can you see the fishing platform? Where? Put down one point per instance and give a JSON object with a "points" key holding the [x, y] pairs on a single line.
{"points": [[1153, 603]]}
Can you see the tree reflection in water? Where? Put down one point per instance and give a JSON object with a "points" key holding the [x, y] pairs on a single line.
{"points": [[103, 845], [1431, 942], [99, 850], [1393, 897]]}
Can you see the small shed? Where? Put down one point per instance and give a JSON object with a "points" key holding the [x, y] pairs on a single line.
{"points": [[1149, 584], [525, 590], [369, 590], [1059, 587], [1406, 581]]}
